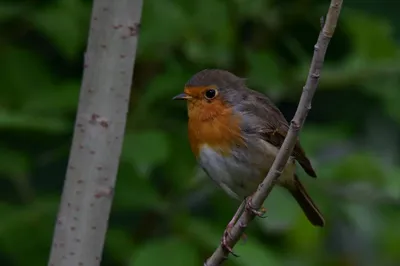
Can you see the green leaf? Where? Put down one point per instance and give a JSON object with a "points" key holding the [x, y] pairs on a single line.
{"points": [[313, 138], [359, 167], [13, 164], [34, 221], [145, 149], [61, 99], [158, 36], [253, 253], [281, 211], [264, 72], [392, 186], [389, 235], [253, 9], [22, 74], [119, 243], [303, 237], [209, 41], [22, 121], [372, 37], [135, 192], [11, 10], [163, 86], [390, 94], [204, 233], [364, 217], [167, 252], [65, 23]]}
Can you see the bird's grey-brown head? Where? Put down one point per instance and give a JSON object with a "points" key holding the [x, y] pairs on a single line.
{"points": [[218, 77], [210, 84]]}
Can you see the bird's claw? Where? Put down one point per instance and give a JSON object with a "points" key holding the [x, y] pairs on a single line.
{"points": [[224, 241], [260, 213]]}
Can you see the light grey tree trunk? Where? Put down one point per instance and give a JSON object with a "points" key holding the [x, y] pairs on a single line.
{"points": [[82, 219]]}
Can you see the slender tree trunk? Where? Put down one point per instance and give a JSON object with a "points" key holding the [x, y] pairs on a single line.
{"points": [[82, 219]]}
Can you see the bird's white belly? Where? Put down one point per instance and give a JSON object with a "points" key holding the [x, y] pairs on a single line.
{"points": [[239, 174]]}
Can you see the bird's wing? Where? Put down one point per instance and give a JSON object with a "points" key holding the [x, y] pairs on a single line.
{"points": [[266, 120]]}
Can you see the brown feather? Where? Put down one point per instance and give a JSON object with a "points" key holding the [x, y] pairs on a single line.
{"points": [[277, 137], [274, 126], [309, 208]]}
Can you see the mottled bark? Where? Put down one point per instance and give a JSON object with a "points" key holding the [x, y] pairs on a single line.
{"points": [[84, 210]]}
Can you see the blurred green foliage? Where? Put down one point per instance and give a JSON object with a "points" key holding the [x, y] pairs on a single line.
{"points": [[165, 211]]}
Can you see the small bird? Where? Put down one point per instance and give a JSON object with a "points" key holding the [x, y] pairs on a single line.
{"points": [[235, 134]]}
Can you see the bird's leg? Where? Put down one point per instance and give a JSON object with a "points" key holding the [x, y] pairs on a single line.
{"points": [[249, 207], [230, 225]]}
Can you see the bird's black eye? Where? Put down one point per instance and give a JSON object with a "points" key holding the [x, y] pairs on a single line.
{"points": [[210, 94]]}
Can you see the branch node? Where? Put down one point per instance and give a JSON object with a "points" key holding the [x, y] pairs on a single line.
{"points": [[295, 125], [242, 225], [322, 22], [315, 75]]}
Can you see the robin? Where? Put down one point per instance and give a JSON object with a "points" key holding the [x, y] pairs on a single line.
{"points": [[235, 133]]}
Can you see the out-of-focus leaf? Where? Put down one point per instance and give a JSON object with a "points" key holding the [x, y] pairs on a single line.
{"points": [[33, 221], [135, 192], [253, 253], [209, 41], [157, 37], [11, 10], [255, 9], [392, 188], [281, 211], [63, 23], [264, 72], [303, 236], [15, 167], [388, 235], [22, 121], [372, 37], [22, 74], [61, 99], [145, 149], [363, 216], [181, 162], [349, 72], [168, 252], [13, 164], [203, 233], [314, 138], [119, 243], [359, 167], [390, 95], [163, 86]]}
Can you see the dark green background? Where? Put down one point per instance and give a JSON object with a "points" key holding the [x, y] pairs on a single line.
{"points": [[165, 211]]}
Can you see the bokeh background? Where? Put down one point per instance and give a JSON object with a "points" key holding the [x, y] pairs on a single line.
{"points": [[165, 211]]}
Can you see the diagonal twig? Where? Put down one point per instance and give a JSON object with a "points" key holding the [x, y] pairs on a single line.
{"points": [[329, 25]]}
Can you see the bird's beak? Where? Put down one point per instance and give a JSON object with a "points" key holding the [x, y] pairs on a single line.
{"points": [[182, 96]]}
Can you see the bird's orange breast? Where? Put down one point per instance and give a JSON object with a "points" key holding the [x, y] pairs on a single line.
{"points": [[214, 125]]}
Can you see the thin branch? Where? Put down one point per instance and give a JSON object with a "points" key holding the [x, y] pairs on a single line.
{"points": [[220, 254], [84, 210]]}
